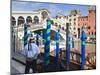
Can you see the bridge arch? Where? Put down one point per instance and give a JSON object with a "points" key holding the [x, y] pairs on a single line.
{"points": [[39, 27], [21, 20], [53, 33], [44, 14], [36, 20], [13, 21], [29, 19]]}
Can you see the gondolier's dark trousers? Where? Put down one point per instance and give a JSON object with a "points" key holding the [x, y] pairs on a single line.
{"points": [[30, 64]]}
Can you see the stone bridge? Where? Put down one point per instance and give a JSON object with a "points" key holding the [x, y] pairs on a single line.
{"points": [[42, 26]]}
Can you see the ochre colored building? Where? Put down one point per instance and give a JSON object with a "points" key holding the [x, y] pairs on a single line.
{"points": [[89, 23]]}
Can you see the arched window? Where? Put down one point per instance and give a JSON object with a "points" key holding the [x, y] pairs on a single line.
{"points": [[62, 28], [89, 27], [56, 17], [52, 22], [56, 24], [20, 20], [44, 15], [36, 19], [28, 19], [75, 34], [78, 32], [13, 21]]}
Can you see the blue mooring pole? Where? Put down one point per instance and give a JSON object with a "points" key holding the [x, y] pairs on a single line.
{"points": [[83, 37], [72, 42], [37, 39], [47, 43], [45, 49], [68, 50], [25, 34], [57, 45], [41, 35]]}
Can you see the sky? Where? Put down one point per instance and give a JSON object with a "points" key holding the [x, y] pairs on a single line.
{"points": [[54, 8]]}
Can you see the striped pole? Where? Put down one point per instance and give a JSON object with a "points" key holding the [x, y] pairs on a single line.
{"points": [[57, 45], [14, 42], [41, 38], [37, 39], [83, 37], [72, 42], [47, 43], [25, 34], [30, 34], [45, 66], [68, 50]]}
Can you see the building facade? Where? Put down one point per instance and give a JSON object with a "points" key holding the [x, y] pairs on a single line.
{"points": [[89, 23], [60, 21], [72, 19], [83, 20], [73, 22]]}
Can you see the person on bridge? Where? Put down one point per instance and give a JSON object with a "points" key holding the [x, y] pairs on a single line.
{"points": [[31, 52]]}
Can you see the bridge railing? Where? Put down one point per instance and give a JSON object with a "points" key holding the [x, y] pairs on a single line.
{"points": [[40, 25], [75, 58], [61, 30], [32, 27]]}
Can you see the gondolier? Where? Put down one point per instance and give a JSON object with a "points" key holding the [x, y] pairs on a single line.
{"points": [[31, 52]]}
